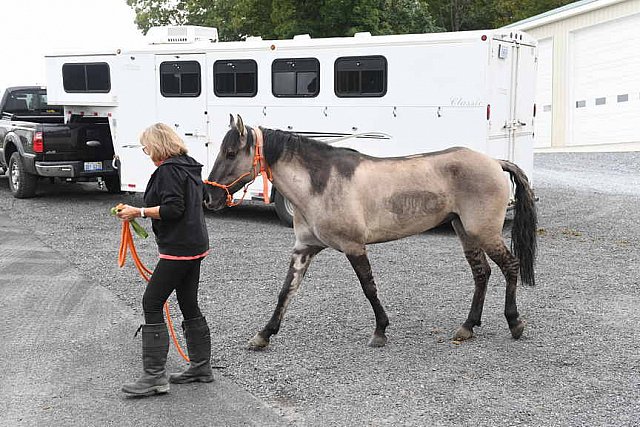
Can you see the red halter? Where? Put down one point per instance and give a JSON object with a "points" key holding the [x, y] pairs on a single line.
{"points": [[264, 170]]}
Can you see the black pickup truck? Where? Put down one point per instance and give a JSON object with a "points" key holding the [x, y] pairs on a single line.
{"points": [[35, 143]]}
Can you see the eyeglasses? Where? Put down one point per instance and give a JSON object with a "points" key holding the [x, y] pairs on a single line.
{"points": [[145, 150]]}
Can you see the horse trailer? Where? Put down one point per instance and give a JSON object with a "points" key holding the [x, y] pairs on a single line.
{"points": [[385, 96]]}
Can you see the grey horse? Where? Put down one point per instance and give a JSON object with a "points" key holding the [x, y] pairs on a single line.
{"points": [[345, 200]]}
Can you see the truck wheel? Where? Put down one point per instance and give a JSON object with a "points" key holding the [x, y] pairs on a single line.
{"points": [[21, 183], [113, 184], [284, 209]]}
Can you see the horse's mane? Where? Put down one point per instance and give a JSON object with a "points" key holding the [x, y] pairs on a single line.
{"points": [[319, 158], [289, 144]]}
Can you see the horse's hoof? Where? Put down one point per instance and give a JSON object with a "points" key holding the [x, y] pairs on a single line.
{"points": [[462, 334], [378, 341], [516, 331], [258, 343]]}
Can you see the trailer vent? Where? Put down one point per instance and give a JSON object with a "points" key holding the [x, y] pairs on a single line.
{"points": [[181, 34]]}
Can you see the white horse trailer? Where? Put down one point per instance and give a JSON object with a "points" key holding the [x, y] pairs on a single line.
{"points": [[382, 95]]}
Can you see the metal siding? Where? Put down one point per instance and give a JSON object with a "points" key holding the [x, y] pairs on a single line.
{"points": [[605, 66], [544, 94], [563, 85]]}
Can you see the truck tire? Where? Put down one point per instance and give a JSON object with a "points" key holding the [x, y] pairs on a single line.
{"points": [[113, 184], [284, 209], [21, 183]]}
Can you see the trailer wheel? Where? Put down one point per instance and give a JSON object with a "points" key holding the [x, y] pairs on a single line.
{"points": [[21, 183], [284, 209], [113, 184]]}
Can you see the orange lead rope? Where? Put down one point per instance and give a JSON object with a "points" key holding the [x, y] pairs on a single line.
{"points": [[126, 243]]}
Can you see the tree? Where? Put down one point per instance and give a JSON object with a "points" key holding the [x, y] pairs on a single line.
{"points": [[279, 19], [513, 11], [461, 15], [150, 13]]}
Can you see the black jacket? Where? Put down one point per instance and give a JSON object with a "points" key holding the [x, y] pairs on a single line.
{"points": [[176, 186]]}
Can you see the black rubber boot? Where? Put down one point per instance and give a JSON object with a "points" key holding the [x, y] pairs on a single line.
{"points": [[155, 346], [198, 336]]}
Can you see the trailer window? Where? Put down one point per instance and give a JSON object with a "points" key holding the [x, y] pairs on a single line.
{"points": [[180, 79], [86, 78], [361, 76], [295, 77], [238, 77]]}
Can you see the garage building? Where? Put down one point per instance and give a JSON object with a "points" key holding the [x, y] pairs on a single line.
{"points": [[588, 85]]}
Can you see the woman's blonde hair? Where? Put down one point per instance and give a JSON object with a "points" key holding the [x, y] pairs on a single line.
{"points": [[162, 142]]}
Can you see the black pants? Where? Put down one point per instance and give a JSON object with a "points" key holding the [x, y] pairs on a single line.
{"points": [[184, 277]]}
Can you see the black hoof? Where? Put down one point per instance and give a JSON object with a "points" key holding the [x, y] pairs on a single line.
{"points": [[518, 329], [377, 341], [463, 334], [258, 343]]}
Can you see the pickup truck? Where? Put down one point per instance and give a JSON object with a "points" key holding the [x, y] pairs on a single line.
{"points": [[36, 143]]}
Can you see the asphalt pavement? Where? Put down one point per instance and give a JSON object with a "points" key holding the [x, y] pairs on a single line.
{"points": [[68, 346]]}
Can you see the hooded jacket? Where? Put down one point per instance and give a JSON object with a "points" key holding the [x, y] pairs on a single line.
{"points": [[176, 186]]}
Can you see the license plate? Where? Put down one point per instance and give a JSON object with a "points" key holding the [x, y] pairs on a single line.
{"points": [[92, 166]]}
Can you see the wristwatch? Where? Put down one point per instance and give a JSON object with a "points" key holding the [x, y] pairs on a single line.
{"points": [[142, 213]]}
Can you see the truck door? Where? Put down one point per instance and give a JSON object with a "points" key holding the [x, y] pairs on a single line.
{"points": [[181, 101], [512, 86]]}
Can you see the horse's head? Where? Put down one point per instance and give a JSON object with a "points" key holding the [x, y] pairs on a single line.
{"points": [[233, 167]]}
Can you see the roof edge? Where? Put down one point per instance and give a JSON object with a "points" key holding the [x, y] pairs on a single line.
{"points": [[563, 12]]}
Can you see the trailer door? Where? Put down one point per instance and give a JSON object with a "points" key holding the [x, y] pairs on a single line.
{"points": [[512, 91], [181, 101], [523, 101]]}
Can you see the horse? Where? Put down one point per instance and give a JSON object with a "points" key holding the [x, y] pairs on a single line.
{"points": [[346, 200]]}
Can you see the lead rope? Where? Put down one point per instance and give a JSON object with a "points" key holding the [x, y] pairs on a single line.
{"points": [[126, 243]]}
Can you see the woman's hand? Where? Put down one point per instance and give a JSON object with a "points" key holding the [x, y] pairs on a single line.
{"points": [[128, 213]]}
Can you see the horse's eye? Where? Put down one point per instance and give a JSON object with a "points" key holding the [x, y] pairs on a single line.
{"points": [[231, 155]]}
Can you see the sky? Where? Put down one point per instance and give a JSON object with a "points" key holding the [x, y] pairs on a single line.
{"points": [[32, 28]]}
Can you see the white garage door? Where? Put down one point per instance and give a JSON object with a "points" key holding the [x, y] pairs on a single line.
{"points": [[606, 83], [544, 94]]}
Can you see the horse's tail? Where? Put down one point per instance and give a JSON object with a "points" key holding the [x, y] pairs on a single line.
{"points": [[525, 222]]}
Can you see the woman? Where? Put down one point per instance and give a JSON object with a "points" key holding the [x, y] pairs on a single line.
{"points": [[173, 201]]}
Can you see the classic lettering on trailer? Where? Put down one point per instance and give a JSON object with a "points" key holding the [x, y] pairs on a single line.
{"points": [[461, 102]]}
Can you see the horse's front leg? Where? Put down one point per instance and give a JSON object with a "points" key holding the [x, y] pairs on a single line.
{"points": [[300, 260], [360, 264]]}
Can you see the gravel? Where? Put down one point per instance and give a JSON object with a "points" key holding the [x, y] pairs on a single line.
{"points": [[578, 362]]}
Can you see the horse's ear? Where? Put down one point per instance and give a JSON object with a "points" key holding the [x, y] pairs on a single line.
{"points": [[240, 126], [232, 123]]}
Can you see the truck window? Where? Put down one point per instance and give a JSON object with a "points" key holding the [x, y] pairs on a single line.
{"points": [[238, 77], [86, 78], [361, 76], [180, 79], [295, 77], [29, 102]]}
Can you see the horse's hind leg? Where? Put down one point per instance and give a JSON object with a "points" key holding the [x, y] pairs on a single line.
{"points": [[500, 254], [481, 272], [300, 260], [360, 264]]}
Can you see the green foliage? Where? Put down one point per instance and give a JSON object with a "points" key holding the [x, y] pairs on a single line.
{"points": [[281, 19], [151, 13], [461, 15]]}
